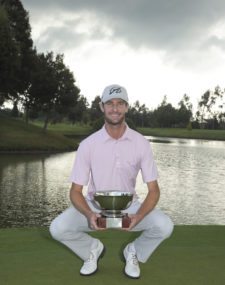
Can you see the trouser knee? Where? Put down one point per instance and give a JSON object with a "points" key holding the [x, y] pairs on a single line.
{"points": [[167, 228], [56, 230], [163, 227]]}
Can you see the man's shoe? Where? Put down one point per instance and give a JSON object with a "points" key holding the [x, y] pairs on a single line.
{"points": [[90, 265], [132, 269]]}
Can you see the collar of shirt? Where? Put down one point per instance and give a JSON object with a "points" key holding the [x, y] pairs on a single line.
{"points": [[126, 136]]}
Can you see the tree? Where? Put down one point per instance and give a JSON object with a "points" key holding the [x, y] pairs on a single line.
{"points": [[79, 112], [8, 57], [165, 114], [95, 112], [16, 33], [210, 107], [221, 106], [53, 87], [185, 102], [138, 114], [15, 111], [67, 92], [184, 113]]}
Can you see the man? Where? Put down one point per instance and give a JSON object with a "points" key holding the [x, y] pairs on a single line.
{"points": [[110, 159]]}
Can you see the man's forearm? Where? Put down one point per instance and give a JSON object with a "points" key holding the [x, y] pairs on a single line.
{"points": [[79, 202], [149, 203]]}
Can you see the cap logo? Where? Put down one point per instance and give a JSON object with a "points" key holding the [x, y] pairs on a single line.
{"points": [[115, 90]]}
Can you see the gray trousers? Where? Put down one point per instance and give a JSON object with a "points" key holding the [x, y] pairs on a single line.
{"points": [[71, 229]]}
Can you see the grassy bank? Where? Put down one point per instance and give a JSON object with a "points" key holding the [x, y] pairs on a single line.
{"points": [[15, 135], [194, 255], [67, 129], [184, 133]]}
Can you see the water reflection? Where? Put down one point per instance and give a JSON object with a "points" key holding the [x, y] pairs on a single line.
{"points": [[192, 180], [34, 188], [188, 142]]}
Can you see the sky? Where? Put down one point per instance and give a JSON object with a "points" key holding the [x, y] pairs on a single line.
{"points": [[151, 47]]}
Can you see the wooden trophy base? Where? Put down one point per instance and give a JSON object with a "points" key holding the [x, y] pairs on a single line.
{"points": [[113, 222]]}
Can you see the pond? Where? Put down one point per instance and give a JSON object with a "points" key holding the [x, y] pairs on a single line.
{"points": [[34, 188]]}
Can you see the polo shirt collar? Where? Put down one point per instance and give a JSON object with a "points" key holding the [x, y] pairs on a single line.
{"points": [[127, 134]]}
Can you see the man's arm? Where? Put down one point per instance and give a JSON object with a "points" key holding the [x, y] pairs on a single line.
{"points": [[148, 204], [79, 202]]}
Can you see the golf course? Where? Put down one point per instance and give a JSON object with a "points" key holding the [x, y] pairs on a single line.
{"points": [[112, 122], [18, 136], [194, 255]]}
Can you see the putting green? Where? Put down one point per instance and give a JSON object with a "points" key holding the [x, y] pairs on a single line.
{"points": [[194, 255]]}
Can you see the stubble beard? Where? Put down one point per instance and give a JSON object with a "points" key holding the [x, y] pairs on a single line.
{"points": [[117, 123]]}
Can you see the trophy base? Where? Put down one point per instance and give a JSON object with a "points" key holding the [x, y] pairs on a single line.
{"points": [[113, 222]]}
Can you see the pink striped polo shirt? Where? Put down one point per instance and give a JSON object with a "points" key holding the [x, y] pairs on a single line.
{"points": [[107, 164]]}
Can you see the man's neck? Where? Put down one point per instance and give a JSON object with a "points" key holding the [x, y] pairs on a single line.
{"points": [[115, 131]]}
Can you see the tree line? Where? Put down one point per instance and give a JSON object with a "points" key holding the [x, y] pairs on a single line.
{"points": [[46, 88]]}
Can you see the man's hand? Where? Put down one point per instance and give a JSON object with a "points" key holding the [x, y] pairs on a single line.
{"points": [[147, 205], [92, 221], [78, 200], [134, 220]]}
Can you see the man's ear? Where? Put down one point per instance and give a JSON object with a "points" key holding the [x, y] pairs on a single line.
{"points": [[101, 106]]}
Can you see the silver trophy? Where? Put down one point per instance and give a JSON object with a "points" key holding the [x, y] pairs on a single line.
{"points": [[112, 203]]}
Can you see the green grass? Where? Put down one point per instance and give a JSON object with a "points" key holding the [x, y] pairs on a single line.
{"points": [[16, 135], [184, 133], [194, 255], [67, 129], [84, 130]]}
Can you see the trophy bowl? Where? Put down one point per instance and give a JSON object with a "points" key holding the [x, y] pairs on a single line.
{"points": [[111, 204], [113, 200]]}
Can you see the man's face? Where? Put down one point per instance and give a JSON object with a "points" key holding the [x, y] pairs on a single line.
{"points": [[114, 110]]}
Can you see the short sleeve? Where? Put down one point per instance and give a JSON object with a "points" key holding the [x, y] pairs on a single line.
{"points": [[148, 166], [81, 168]]}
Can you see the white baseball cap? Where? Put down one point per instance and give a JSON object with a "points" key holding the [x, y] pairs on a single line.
{"points": [[114, 91]]}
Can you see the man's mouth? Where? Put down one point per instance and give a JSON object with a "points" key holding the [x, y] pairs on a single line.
{"points": [[115, 115]]}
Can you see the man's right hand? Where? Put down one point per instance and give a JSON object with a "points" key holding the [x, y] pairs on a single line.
{"points": [[92, 221], [78, 200]]}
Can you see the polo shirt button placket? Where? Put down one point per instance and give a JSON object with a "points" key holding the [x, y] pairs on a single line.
{"points": [[117, 160]]}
